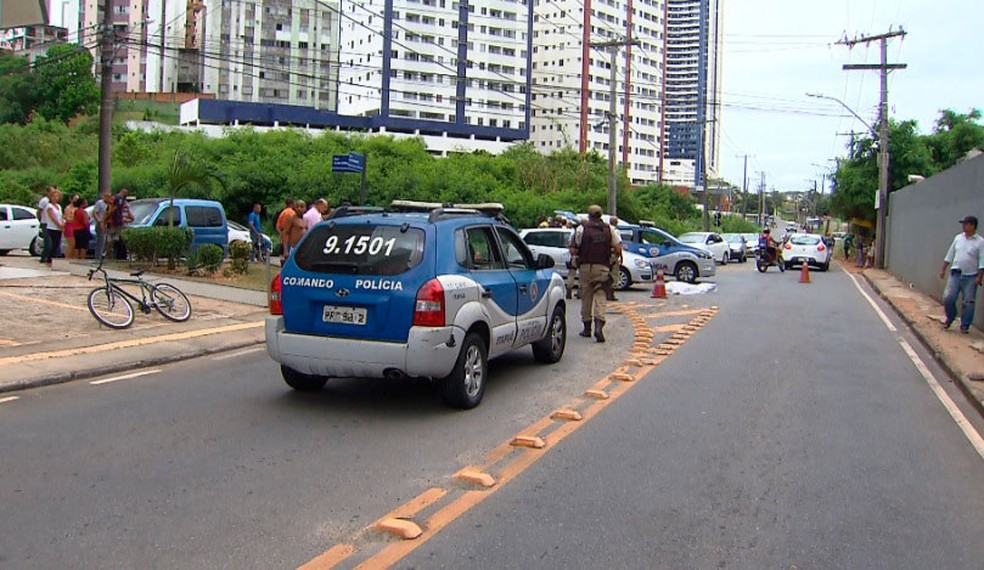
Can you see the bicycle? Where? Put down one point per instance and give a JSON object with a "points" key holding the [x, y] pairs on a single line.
{"points": [[111, 306]]}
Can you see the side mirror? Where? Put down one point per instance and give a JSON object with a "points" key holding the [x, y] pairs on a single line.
{"points": [[544, 261]]}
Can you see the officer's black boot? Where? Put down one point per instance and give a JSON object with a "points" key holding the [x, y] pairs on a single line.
{"points": [[599, 334], [587, 329]]}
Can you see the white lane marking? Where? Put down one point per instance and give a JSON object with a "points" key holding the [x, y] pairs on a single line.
{"points": [[125, 377], [9, 399], [871, 302], [240, 353], [955, 413]]}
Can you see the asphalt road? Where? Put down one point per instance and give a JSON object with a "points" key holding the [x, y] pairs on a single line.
{"points": [[216, 463], [790, 431]]}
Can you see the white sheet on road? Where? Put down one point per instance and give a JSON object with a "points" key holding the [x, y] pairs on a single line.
{"points": [[681, 288]]}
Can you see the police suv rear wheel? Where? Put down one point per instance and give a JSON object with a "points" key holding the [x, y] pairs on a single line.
{"points": [[465, 386], [550, 349], [302, 382]]}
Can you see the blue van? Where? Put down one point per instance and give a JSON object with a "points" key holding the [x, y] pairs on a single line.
{"points": [[206, 218]]}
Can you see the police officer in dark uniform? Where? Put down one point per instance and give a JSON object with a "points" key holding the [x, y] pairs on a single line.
{"points": [[593, 244]]}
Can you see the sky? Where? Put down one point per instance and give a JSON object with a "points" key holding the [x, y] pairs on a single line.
{"points": [[775, 51]]}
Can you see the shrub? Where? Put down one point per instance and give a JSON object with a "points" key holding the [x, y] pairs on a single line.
{"points": [[153, 243], [239, 253], [209, 258]]}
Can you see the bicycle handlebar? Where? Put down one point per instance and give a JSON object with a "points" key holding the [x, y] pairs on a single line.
{"points": [[97, 268]]}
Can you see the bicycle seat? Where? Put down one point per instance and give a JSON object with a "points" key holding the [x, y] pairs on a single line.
{"points": [[136, 273]]}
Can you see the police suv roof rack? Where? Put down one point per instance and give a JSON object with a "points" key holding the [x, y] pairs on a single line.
{"points": [[446, 210], [344, 211], [647, 223]]}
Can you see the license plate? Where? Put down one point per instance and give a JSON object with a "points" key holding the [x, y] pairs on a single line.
{"points": [[344, 315]]}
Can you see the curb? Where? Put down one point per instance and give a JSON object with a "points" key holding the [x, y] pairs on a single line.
{"points": [[954, 374], [63, 377]]}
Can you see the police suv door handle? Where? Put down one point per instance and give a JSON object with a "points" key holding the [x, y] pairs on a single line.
{"points": [[486, 293], [523, 289]]}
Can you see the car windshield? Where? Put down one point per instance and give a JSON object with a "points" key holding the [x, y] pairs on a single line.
{"points": [[733, 238], [360, 249], [751, 237], [656, 237], [804, 240], [237, 227], [142, 211], [692, 238]]}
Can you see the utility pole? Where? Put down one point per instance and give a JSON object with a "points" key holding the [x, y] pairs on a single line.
{"points": [[106, 98], [761, 199], [881, 202], [744, 189], [613, 121]]}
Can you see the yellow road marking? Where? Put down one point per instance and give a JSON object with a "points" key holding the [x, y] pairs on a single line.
{"points": [[127, 343], [5, 342], [522, 459], [43, 301]]}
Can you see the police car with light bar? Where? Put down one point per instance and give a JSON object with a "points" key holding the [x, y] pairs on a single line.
{"points": [[424, 290]]}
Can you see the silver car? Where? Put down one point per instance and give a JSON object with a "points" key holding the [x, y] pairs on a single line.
{"points": [[554, 242]]}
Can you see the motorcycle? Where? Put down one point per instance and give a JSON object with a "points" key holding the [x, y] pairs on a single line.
{"points": [[771, 256]]}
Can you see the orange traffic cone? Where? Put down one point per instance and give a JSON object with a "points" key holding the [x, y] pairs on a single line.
{"points": [[805, 273], [659, 286]]}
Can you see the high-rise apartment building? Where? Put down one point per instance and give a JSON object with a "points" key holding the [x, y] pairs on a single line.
{"points": [[693, 83], [130, 26], [656, 82], [572, 87], [438, 66], [272, 51]]}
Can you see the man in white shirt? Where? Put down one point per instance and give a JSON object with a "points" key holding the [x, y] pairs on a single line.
{"points": [[315, 213], [965, 260], [51, 219]]}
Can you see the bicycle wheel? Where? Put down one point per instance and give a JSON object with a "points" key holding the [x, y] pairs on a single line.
{"points": [[110, 308], [170, 302]]}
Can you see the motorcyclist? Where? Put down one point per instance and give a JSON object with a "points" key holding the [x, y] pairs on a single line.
{"points": [[767, 245]]}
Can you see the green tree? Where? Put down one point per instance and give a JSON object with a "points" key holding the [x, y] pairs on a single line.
{"points": [[64, 84], [856, 179], [955, 135], [186, 173], [16, 89]]}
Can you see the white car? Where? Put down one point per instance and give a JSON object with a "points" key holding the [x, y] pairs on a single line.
{"points": [[239, 232], [710, 242], [553, 242], [808, 248], [19, 229]]}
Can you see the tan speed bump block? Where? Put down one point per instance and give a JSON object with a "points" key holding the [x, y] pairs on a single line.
{"points": [[470, 475], [597, 394], [402, 528], [572, 415], [531, 441]]}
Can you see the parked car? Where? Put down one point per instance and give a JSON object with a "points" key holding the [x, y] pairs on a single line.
{"points": [[239, 232], [19, 229], [553, 242], [410, 294], [751, 244], [206, 218], [808, 248], [738, 246], [711, 242], [685, 262]]}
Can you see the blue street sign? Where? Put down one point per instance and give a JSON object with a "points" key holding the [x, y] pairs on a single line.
{"points": [[351, 162], [341, 163], [356, 161]]}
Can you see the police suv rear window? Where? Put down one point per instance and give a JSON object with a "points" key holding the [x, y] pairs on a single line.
{"points": [[361, 249]]}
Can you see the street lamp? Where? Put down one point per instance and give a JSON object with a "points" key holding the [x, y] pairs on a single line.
{"points": [[842, 104]]}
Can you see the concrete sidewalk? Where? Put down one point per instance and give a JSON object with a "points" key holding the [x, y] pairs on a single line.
{"points": [[961, 355], [51, 337]]}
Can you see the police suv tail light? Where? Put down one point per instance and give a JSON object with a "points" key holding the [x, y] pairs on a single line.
{"points": [[428, 310], [789, 246], [276, 300], [820, 247]]}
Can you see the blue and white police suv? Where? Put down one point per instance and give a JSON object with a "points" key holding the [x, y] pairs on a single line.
{"points": [[430, 291]]}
